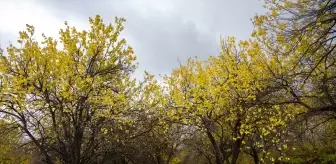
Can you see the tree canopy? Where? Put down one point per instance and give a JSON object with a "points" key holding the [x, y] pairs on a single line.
{"points": [[268, 99]]}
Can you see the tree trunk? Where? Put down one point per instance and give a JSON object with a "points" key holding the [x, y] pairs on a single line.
{"points": [[78, 145], [235, 151], [255, 156], [237, 143], [215, 146]]}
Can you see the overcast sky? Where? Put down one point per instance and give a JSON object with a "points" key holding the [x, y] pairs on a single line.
{"points": [[160, 31]]}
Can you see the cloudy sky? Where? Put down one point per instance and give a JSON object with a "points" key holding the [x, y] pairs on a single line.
{"points": [[160, 31]]}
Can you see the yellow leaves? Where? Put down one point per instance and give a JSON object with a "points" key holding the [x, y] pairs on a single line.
{"points": [[243, 44], [175, 160], [93, 65], [261, 32], [231, 40], [259, 20], [318, 23], [282, 26], [224, 85], [287, 4], [280, 38], [274, 12], [104, 130], [30, 29]]}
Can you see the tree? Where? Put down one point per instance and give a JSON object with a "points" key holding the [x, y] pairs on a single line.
{"points": [[150, 138], [301, 36], [62, 93], [227, 98]]}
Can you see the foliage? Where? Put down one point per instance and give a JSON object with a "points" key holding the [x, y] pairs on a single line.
{"points": [[61, 98], [268, 99], [227, 97]]}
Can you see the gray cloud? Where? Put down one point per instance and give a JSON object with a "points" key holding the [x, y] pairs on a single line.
{"points": [[167, 40]]}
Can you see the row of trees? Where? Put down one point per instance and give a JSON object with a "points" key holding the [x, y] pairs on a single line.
{"points": [[268, 99]]}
